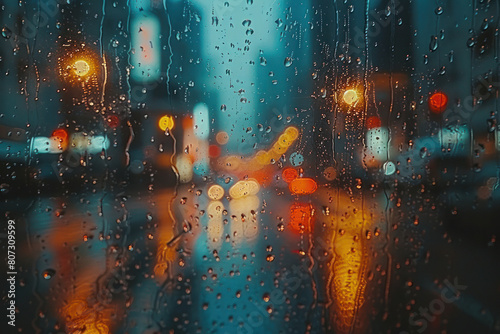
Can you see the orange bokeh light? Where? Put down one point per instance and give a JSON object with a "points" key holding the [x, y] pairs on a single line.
{"points": [[61, 133], [303, 186], [438, 102]]}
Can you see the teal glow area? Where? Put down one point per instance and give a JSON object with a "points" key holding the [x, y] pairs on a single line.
{"points": [[235, 37]]}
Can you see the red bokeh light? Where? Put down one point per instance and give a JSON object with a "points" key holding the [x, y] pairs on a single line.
{"points": [[289, 174], [373, 122], [214, 151], [113, 121], [438, 102], [61, 133]]}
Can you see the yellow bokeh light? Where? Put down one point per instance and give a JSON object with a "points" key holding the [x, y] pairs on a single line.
{"points": [[284, 141], [292, 133], [166, 122], [244, 188], [81, 68], [262, 157], [350, 96], [215, 192]]}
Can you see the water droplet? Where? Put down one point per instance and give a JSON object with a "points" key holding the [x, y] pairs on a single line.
{"points": [[485, 24], [492, 124], [249, 32], [246, 23], [6, 32], [186, 226], [439, 10], [263, 61], [433, 45], [388, 11], [4, 188], [288, 62], [471, 42], [426, 59], [279, 22], [48, 274]]}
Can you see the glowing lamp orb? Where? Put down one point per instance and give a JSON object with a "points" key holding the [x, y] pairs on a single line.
{"points": [[373, 122], [350, 96], [166, 122], [438, 102], [81, 68]]}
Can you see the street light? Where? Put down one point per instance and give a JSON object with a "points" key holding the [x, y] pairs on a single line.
{"points": [[350, 96], [81, 68]]}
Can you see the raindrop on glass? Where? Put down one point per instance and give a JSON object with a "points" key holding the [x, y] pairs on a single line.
{"points": [[48, 274], [433, 45], [6, 33], [485, 24]]}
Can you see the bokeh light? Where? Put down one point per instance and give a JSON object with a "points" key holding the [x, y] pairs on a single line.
{"points": [[350, 96], [438, 102], [81, 68], [166, 122]]}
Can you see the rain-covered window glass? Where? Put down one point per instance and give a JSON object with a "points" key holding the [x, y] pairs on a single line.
{"points": [[250, 166]]}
